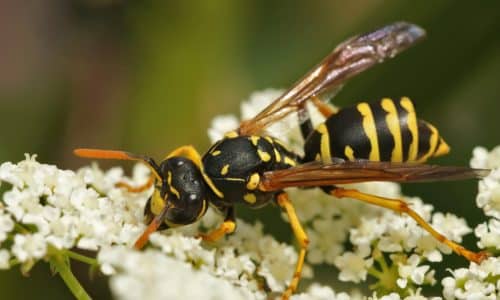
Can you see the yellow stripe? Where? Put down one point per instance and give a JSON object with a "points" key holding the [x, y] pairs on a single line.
{"points": [[277, 155], [253, 181], [250, 198], [412, 126], [263, 155], [392, 121], [231, 135], [349, 153], [324, 144], [370, 130], [172, 189], [255, 139], [433, 141], [224, 170], [289, 161]]}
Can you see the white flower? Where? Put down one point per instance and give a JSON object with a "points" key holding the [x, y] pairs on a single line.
{"points": [[483, 159], [411, 270], [489, 234], [488, 197], [6, 225], [354, 265], [318, 292], [4, 259], [475, 282], [153, 275], [220, 126], [29, 246]]}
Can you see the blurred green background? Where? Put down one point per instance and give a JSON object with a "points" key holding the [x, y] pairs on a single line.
{"points": [[148, 76]]}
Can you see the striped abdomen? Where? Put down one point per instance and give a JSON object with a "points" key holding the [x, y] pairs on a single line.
{"points": [[385, 130]]}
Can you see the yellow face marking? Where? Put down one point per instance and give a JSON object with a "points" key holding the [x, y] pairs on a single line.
{"points": [[224, 170], [231, 135], [215, 153], [203, 209], [290, 161], [277, 155], [326, 156], [433, 140], [392, 121], [442, 149], [412, 126], [264, 155], [253, 181], [370, 130], [157, 202], [255, 139], [172, 189], [349, 153], [250, 198]]}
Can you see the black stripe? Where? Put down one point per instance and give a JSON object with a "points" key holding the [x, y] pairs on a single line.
{"points": [[385, 139], [424, 141], [346, 129], [406, 137]]}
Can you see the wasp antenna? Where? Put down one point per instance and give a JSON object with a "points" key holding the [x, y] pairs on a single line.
{"points": [[152, 227], [105, 154], [117, 154]]}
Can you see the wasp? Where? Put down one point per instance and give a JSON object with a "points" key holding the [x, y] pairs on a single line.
{"points": [[378, 141]]}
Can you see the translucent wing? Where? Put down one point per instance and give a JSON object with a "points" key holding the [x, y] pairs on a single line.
{"points": [[348, 59], [340, 172]]}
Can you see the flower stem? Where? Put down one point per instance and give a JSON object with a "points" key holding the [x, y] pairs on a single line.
{"points": [[81, 258], [58, 260]]}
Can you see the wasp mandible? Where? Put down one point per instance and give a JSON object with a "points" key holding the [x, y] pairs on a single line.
{"points": [[379, 141]]}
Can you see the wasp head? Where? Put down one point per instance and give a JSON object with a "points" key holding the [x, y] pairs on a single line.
{"points": [[182, 188]]}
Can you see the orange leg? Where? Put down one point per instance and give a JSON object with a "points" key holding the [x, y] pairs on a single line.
{"points": [[400, 206], [301, 236], [227, 227], [137, 189], [325, 109]]}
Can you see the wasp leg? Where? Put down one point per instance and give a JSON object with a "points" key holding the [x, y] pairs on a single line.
{"points": [[137, 189], [301, 236], [400, 206], [325, 109], [227, 227], [306, 126]]}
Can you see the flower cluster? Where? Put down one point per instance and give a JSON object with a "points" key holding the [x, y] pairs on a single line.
{"points": [[50, 214]]}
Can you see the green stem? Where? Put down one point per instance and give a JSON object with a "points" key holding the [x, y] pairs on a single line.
{"points": [[58, 260], [374, 272], [20, 228], [81, 258], [383, 263]]}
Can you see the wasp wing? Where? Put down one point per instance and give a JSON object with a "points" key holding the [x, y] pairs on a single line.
{"points": [[348, 59], [341, 172]]}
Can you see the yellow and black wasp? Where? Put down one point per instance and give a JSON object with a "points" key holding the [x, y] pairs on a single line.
{"points": [[379, 141]]}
